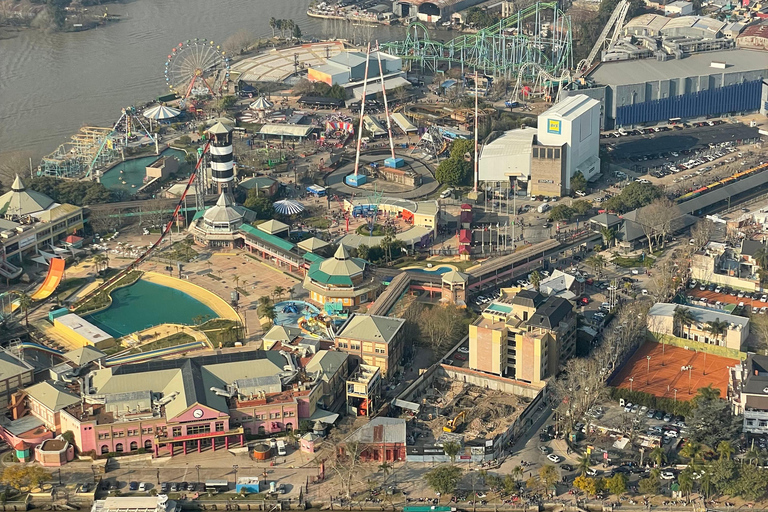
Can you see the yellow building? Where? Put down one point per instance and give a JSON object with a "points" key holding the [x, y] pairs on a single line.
{"points": [[80, 333], [341, 279]]}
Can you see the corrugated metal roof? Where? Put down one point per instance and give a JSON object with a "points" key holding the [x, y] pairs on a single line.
{"points": [[371, 328], [287, 130], [720, 194], [266, 237]]}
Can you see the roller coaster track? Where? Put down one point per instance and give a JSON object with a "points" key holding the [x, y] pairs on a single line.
{"points": [[544, 81], [540, 34]]}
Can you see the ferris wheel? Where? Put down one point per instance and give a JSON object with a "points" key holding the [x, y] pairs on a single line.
{"points": [[196, 67]]}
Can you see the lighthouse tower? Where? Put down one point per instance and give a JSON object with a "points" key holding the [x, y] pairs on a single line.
{"points": [[222, 164]]}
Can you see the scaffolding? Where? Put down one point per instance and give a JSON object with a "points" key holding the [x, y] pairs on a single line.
{"points": [[540, 34]]}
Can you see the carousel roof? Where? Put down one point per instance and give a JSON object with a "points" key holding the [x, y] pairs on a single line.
{"points": [[288, 207], [159, 112], [261, 103]]}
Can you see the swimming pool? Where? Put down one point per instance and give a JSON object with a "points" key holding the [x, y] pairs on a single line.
{"points": [[499, 308], [289, 311], [143, 305], [134, 171], [437, 270]]}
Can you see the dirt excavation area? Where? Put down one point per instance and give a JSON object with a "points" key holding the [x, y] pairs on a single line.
{"points": [[474, 412]]}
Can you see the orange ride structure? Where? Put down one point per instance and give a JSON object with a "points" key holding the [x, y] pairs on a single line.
{"points": [[52, 280]]}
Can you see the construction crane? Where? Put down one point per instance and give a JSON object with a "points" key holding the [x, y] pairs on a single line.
{"points": [[452, 424], [615, 22]]}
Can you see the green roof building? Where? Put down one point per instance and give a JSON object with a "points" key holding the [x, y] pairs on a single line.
{"points": [[341, 278]]}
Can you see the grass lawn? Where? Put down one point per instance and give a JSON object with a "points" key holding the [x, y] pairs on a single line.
{"points": [[633, 262], [102, 299], [222, 331], [180, 251], [318, 222], [378, 230], [173, 340]]}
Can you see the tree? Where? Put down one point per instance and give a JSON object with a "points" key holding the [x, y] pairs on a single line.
{"points": [[260, 205], [578, 182], [649, 485], [617, 484], [561, 212], [452, 172], [701, 232], [693, 452], [549, 476], [226, 102], [752, 482], [444, 478], [725, 449], [633, 196], [297, 32], [18, 476], [451, 449], [717, 328], [362, 252], [581, 207], [685, 480], [510, 483], [761, 257], [657, 456], [587, 484], [682, 317], [273, 25], [440, 325], [479, 18], [535, 279], [723, 475], [597, 262], [266, 308], [609, 235], [278, 292], [238, 42], [584, 463], [345, 462], [25, 302]]}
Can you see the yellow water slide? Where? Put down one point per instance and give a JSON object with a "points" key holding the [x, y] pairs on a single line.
{"points": [[52, 280]]}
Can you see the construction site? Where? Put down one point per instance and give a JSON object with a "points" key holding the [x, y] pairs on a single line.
{"points": [[465, 413]]}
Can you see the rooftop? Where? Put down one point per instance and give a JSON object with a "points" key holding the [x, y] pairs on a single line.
{"points": [[337, 270], [371, 328], [380, 430], [700, 314], [551, 313], [756, 375], [53, 396], [11, 366], [20, 201], [651, 70], [83, 328], [571, 107]]}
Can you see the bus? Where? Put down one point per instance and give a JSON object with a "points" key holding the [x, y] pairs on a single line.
{"points": [[281, 447], [216, 485]]}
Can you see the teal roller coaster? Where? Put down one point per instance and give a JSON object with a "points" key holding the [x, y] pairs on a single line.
{"points": [[539, 34]]}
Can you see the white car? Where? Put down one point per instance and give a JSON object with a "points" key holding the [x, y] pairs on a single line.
{"points": [[628, 407], [464, 350], [143, 487], [554, 458], [581, 193], [764, 298], [667, 475], [592, 472]]}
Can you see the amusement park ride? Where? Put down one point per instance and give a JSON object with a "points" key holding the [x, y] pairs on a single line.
{"points": [[194, 68]]}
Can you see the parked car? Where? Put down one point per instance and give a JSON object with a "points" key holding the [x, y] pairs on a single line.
{"points": [[133, 486], [554, 458], [143, 487]]}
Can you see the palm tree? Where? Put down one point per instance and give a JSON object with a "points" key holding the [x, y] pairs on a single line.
{"points": [[266, 308], [278, 292], [584, 463], [386, 468], [682, 317], [761, 257], [535, 279], [289, 24], [609, 235], [597, 262], [753, 455], [717, 328], [693, 452], [273, 25], [517, 472], [657, 456], [725, 449], [235, 279], [685, 480], [25, 301]]}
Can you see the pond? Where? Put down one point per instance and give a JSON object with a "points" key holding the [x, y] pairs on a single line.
{"points": [[133, 172]]}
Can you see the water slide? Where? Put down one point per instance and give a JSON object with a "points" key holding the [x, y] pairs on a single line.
{"points": [[52, 280], [9, 271]]}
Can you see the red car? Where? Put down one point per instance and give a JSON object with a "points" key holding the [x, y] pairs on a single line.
{"points": [[460, 356], [584, 300]]}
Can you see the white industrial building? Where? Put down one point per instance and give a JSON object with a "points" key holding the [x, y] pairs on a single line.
{"points": [[575, 122], [566, 141]]}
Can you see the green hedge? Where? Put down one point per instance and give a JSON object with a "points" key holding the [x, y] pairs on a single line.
{"points": [[680, 407]]}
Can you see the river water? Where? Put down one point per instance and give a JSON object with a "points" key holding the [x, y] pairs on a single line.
{"points": [[52, 84]]}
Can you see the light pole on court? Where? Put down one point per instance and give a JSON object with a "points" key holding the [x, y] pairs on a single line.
{"points": [[648, 370], [197, 467], [631, 380]]}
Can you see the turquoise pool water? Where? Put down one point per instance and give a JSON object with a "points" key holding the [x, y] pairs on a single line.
{"points": [[143, 305], [499, 308], [134, 171], [438, 270]]}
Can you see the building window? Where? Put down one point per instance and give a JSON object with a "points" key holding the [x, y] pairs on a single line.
{"points": [[148, 444], [535, 152], [557, 153], [198, 429], [549, 153], [750, 423], [355, 346], [119, 447], [134, 446], [176, 431], [104, 449], [219, 426]]}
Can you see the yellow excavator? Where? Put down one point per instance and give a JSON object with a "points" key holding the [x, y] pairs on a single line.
{"points": [[452, 424]]}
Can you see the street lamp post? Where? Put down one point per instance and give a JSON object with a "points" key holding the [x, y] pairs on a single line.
{"points": [[631, 380], [197, 467], [675, 395], [93, 469], [689, 368], [648, 370], [234, 468]]}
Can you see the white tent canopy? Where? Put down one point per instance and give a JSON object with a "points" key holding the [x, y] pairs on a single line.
{"points": [[288, 207], [160, 112], [261, 103]]}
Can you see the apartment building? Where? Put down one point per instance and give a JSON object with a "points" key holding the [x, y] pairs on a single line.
{"points": [[524, 338], [749, 393], [661, 320], [373, 340]]}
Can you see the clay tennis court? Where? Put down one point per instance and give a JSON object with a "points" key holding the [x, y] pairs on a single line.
{"points": [[663, 380]]}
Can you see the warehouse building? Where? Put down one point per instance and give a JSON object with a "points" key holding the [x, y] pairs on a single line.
{"points": [[705, 84], [754, 37], [349, 67]]}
